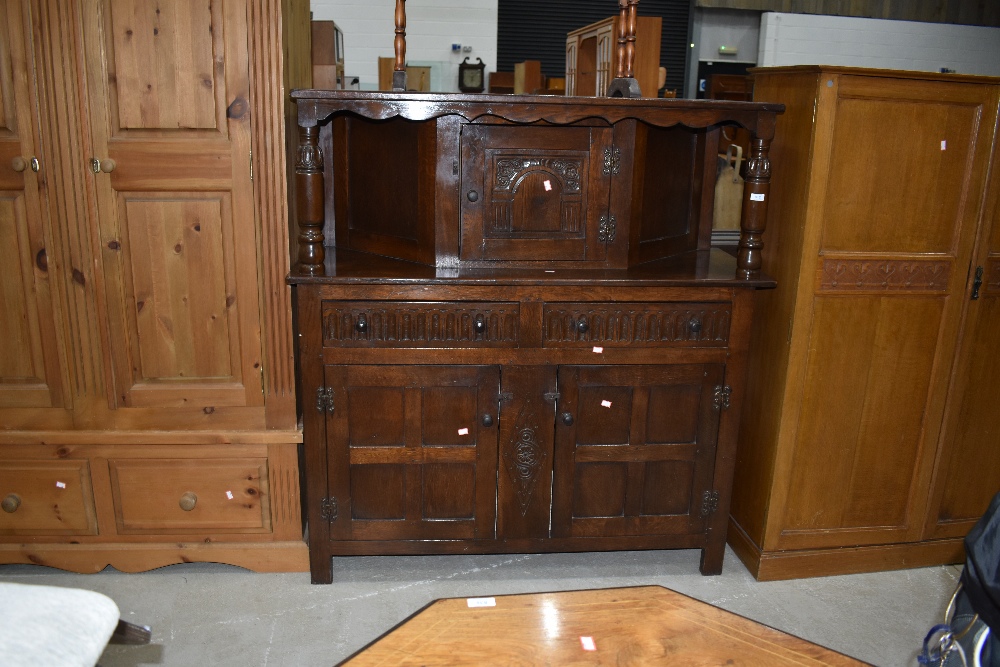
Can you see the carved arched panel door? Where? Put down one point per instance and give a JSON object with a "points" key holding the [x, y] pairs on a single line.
{"points": [[170, 124]]}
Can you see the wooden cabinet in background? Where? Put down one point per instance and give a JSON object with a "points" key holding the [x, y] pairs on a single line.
{"points": [[592, 57], [147, 407], [868, 441]]}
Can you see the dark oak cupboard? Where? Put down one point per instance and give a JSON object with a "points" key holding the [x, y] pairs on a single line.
{"points": [[513, 334]]}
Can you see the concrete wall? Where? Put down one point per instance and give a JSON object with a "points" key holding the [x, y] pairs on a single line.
{"points": [[806, 39], [432, 26]]}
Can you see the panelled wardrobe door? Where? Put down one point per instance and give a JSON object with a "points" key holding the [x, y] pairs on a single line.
{"points": [[30, 374], [899, 214], [969, 443], [168, 85]]}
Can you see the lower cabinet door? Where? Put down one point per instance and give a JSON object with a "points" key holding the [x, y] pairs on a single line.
{"points": [[634, 449], [412, 451]]}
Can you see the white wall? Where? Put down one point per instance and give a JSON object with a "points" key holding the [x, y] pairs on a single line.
{"points": [[807, 39], [730, 28], [432, 26]]}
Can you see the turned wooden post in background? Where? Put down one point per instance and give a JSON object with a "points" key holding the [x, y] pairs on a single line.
{"points": [[309, 193], [624, 84], [756, 188], [399, 44]]}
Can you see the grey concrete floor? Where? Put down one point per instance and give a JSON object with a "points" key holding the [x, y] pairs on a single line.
{"points": [[210, 614]]}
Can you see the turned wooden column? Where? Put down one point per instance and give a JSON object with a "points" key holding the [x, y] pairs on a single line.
{"points": [[399, 45], [624, 84], [309, 193], [753, 219]]}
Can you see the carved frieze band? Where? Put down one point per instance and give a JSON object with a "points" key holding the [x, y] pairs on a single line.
{"points": [[510, 170], [884, 275], [399, 324], [638, 324]]}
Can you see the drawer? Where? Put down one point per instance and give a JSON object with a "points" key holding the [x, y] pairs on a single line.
{"points": [[635, 324], [190, 495], [419, 324], [46, 498]]}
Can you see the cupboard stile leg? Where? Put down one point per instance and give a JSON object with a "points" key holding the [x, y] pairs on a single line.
{"points": [[754, 217]]}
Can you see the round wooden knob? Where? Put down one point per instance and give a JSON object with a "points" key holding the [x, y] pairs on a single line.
{"points": [[11, 503], [18, 164], [188, 501], [108, 165]]}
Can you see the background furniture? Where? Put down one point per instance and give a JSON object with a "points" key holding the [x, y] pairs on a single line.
{"points": [[592, 56], [327, 55], [869, 438], [522, 341], [146, 376], [640, 625]]}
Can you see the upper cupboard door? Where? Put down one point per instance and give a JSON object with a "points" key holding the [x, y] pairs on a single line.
{"points": [[170, 115], [536, 193], [29, 368]]}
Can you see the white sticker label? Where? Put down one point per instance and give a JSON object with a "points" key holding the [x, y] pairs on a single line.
{"points": [[550, 271], [598, 350], [548, 186], [481, 602], [588, 643], [756, 196], [60, 485], [606, 404], [463, 431], [229, 494], [944, 145]]}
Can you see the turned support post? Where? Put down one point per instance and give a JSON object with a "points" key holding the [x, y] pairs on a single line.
{"points": [[624, 84], [309, 194], [399, 45], [753, 219]]}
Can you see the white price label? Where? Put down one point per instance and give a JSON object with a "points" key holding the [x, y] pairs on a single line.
{"points": [[463, 431], [756, 196], [481, 602], [598, 350], [606, 404], [588, 643]]}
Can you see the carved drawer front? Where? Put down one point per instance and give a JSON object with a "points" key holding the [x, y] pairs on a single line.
{"points": [[408, 324], [636, 324], [190, 495], [46, 498]]}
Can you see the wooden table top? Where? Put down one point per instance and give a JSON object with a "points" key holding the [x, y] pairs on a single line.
{"points": [[645, 625]]}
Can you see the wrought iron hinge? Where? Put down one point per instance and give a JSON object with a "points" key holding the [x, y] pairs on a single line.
{"points": [[328, 509], [612, 161], [552, 396], [709, 502], [324, 399], [977, 284], [721, 397], [607, 229]]}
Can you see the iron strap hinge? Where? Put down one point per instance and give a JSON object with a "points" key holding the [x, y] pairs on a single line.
{"points": [[709, 503], [612, 161], [720, 398], [324, 399], [328, 509]]}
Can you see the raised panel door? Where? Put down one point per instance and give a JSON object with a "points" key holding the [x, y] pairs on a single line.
{"points": [[29, 358], [168, 85], [967, 474], [412, 451], [535, 194], [899, 216], [634, 449]]}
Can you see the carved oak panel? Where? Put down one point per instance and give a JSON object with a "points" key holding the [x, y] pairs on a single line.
{"points": [[886, 275], [636, 324], [412, 324]]}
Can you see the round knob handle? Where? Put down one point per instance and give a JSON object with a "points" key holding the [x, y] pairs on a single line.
{"points": [[18, 164], [694, 326], [361, 326], [487, 420], [188, 501], [567, 419], [480, 324], [473, 196], [11, 503], [583, 326], [108, 165]]}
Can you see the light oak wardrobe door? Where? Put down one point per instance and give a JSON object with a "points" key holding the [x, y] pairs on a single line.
{"points": [[168, 85]]}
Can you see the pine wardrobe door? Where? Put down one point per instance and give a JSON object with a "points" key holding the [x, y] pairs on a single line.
{"points": [[168, 85]]}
